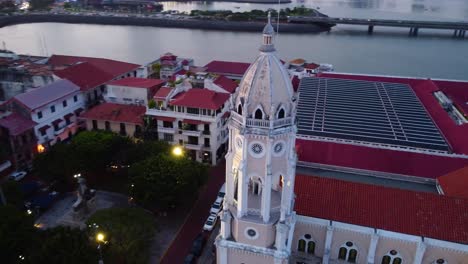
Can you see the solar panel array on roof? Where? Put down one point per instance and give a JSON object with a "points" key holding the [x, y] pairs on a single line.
{"points": [[378, 112]]}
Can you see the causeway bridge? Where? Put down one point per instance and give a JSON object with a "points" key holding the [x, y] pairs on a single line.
{"points": [[459, 28]]}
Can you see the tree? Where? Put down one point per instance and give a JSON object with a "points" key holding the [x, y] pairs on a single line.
{"points": [[128, 232], [64, 245], [17, 234], [152, 104], [164, 181], [156, 70], [40, 4], [13, 194]]}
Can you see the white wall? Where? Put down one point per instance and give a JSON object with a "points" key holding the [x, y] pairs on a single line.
{"points": [[117, 94], [60, 111]]}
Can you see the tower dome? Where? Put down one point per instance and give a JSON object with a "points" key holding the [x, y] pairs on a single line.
{"points": [[266, 86]]}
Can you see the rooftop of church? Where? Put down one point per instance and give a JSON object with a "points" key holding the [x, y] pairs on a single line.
{"points": [[415, 213]]}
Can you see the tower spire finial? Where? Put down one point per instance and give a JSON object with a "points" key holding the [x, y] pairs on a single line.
{"points": [[269, 17]]}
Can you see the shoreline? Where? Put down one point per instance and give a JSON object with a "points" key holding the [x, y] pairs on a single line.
{"points": [[159, 22]]}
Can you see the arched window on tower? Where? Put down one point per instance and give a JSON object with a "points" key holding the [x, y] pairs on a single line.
{"points": [[281, 113], [281, 181], [392, 257], [239, 109], [258, 114], [255, 186], [235, 186], [348, 252]]}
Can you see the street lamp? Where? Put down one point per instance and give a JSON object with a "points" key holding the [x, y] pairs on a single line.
{"points": [[100, 239], [177, 151]]}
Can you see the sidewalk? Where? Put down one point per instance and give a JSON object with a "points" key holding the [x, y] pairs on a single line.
{"points": [[194, 222]]}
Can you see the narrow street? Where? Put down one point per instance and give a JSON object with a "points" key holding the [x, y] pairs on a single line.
{"points": [[193, 224]]}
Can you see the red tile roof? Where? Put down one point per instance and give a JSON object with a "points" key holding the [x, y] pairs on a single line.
{"points": [[194, 122], [311, 66], [424, 89], [457, 91], [116, 113], [455, 183], [44, 95], [227, 67], [414, 213], [377, 159], [137, 82], [85, 75], [109, 66], [226, 83], [295, 83], [162, 93], [200, 98], [94, 72], [165, 118], [16, 124]]}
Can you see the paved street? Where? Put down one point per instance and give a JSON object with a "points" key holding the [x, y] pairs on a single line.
{"points": [[194, 222]]}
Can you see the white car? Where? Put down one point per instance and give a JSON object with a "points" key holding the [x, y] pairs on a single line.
{"points": [[17, 175], [217, 205], [210, 222], [222, 191]]}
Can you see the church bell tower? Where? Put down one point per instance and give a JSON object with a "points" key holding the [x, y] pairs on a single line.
{"points": [[257, 221]]}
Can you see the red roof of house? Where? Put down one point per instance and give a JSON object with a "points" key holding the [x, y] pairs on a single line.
{"points": [[16, 124], [311, 66], [377, 159], [226, 83], [137, 82], [162, 93], [424, 89], [109, 66], [295, 83], [227, 67], [95, 72], [200, 98], [457, 91], [455, 183], [116, 113], [408, 212]]}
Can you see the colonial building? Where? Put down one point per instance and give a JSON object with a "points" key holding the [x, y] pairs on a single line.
{"points": [[54, 108], [92, 74], [258, 218], [193, 114], [272, 215], [126, 120], [17, 139], [167, 65], [133, 91]]}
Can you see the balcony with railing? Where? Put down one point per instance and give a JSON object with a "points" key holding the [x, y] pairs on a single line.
{"points": [[169, 130], [193, 133], [183, 115], [192, 145], [260, 123]]}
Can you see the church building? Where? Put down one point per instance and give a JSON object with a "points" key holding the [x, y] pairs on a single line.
{"points": [[273, 216]]}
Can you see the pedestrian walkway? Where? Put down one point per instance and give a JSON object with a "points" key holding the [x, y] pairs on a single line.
{"points": [[194, 222]]}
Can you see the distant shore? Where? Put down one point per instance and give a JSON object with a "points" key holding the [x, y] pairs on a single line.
{"points": [[159, 22]]}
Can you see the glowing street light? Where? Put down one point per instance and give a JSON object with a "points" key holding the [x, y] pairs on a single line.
{"points": [[100, 237], [177, 151]]}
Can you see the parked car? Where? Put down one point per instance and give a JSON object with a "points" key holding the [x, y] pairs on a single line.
{"points": [[17, 175], [217, 205], [190, 259], [197, 246], [222, 191], [210, 222], [43, 201]]}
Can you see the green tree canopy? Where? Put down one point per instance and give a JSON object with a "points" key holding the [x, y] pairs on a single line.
{"points": [[13, 194], [40, 4], [128, 232], [64, 245], [163, 181], [17, 234]]}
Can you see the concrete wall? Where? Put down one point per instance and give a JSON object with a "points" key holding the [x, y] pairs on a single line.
{"points": [[114, 126]]}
